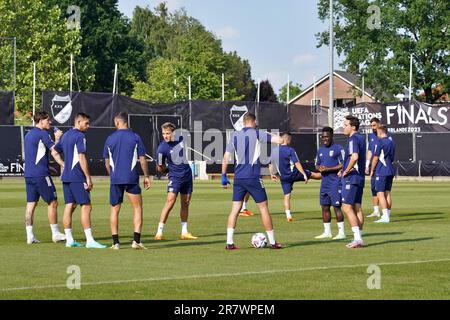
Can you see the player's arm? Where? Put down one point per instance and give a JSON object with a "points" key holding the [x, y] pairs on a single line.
{"points": [[272, 175], [161, 164], [374, 164], [225, 161], [299, 167], [85, 168], [353, 160], [331, 169], [55, 154], [368, 157], [107, 166], [144, 166]]}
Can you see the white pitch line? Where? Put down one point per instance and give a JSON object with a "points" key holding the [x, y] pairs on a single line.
{"points": [[218, 275]]}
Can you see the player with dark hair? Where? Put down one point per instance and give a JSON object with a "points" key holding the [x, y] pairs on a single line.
{"points": [[39, 183], [353, 179], [247, 176], [77, 181], [329, 163], [123, 150], [383, 171], [283, 157], [172, 156], [373, 140]]}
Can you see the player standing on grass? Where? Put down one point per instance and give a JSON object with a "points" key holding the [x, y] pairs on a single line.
{"points": [[247, 176], [180, 179], [373, 140], [329, 163], [353, 179], [383, 171], [77, 182], [282, 157], [123, 150], [38, 181]]}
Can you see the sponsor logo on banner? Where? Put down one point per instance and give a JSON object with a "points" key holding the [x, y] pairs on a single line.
{"points": [[237, 114], [362, 113], [11, 169], [61, 108], [416, 115]]}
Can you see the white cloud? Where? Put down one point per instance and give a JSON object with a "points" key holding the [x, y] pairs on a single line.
{"points": [[227, 33], [305, 59]]}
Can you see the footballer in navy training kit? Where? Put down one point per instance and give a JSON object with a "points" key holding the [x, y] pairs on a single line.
{"points": [[172, 157], [77, 181], [353, 176], [38, 181], [122, 152], [329, 163], [245, 145], [383, 172], [283, 157]]}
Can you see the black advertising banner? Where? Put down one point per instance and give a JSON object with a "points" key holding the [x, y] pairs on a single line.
{"points": [[400, 117], [6, 108]]}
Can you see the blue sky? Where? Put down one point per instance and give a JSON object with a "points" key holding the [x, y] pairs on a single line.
{"points": [[277, 37]]}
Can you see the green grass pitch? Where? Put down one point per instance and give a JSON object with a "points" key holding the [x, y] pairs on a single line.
{"points": [[412, 251]]}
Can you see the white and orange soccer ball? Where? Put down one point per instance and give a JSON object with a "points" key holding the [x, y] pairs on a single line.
{"points": [[259, 240]]}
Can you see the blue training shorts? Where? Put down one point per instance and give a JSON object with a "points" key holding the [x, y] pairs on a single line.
{"points": [[75, 192], [352, 189], [287, 184], [183, 186], [253, 186], [116, 192], [383, 183], [40, 187]]}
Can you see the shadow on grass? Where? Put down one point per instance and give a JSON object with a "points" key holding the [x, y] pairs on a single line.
{"points": [[188, 243], [398, 241], [400, 215], [374, 234], [417, 219]]}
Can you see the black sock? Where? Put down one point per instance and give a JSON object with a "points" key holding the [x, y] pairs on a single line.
{"points": [[137, 237], [115, 238]]}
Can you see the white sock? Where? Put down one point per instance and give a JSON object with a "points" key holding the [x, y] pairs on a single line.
{"points": [[69, 237], [341, 227], [55, 229], [385, 213], [88, 233], [356, 234], [376, 209], [271, 236], [327, 228], [244, 206], [288, 214], [184, 227], [230, 233], [389, 212], [160, 228], [30, 234]]}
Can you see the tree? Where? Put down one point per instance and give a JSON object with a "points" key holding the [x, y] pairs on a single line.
{"points": [[381, 51], [266, 92], [294, 90], [180, 48], [42, 38], [106, 40]]}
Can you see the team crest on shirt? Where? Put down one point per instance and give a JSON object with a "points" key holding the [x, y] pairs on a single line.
{"points": [[61, 108], [331, 153], [237, 114]]}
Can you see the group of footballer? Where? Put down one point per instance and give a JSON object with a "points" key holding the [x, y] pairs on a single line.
{"points": [[341, 171]]}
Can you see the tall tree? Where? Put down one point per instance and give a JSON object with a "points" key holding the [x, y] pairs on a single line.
{"points": [[43, 38], [378, 44], [266, 92], [106, 40], [294, 90]]}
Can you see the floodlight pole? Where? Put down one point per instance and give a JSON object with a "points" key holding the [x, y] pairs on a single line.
{"points": [[363, 95], [287, 92], [410, 78], [223, 87], [115, 78], [15, 49], [331, 103], [71, 74], [34, 91]]}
